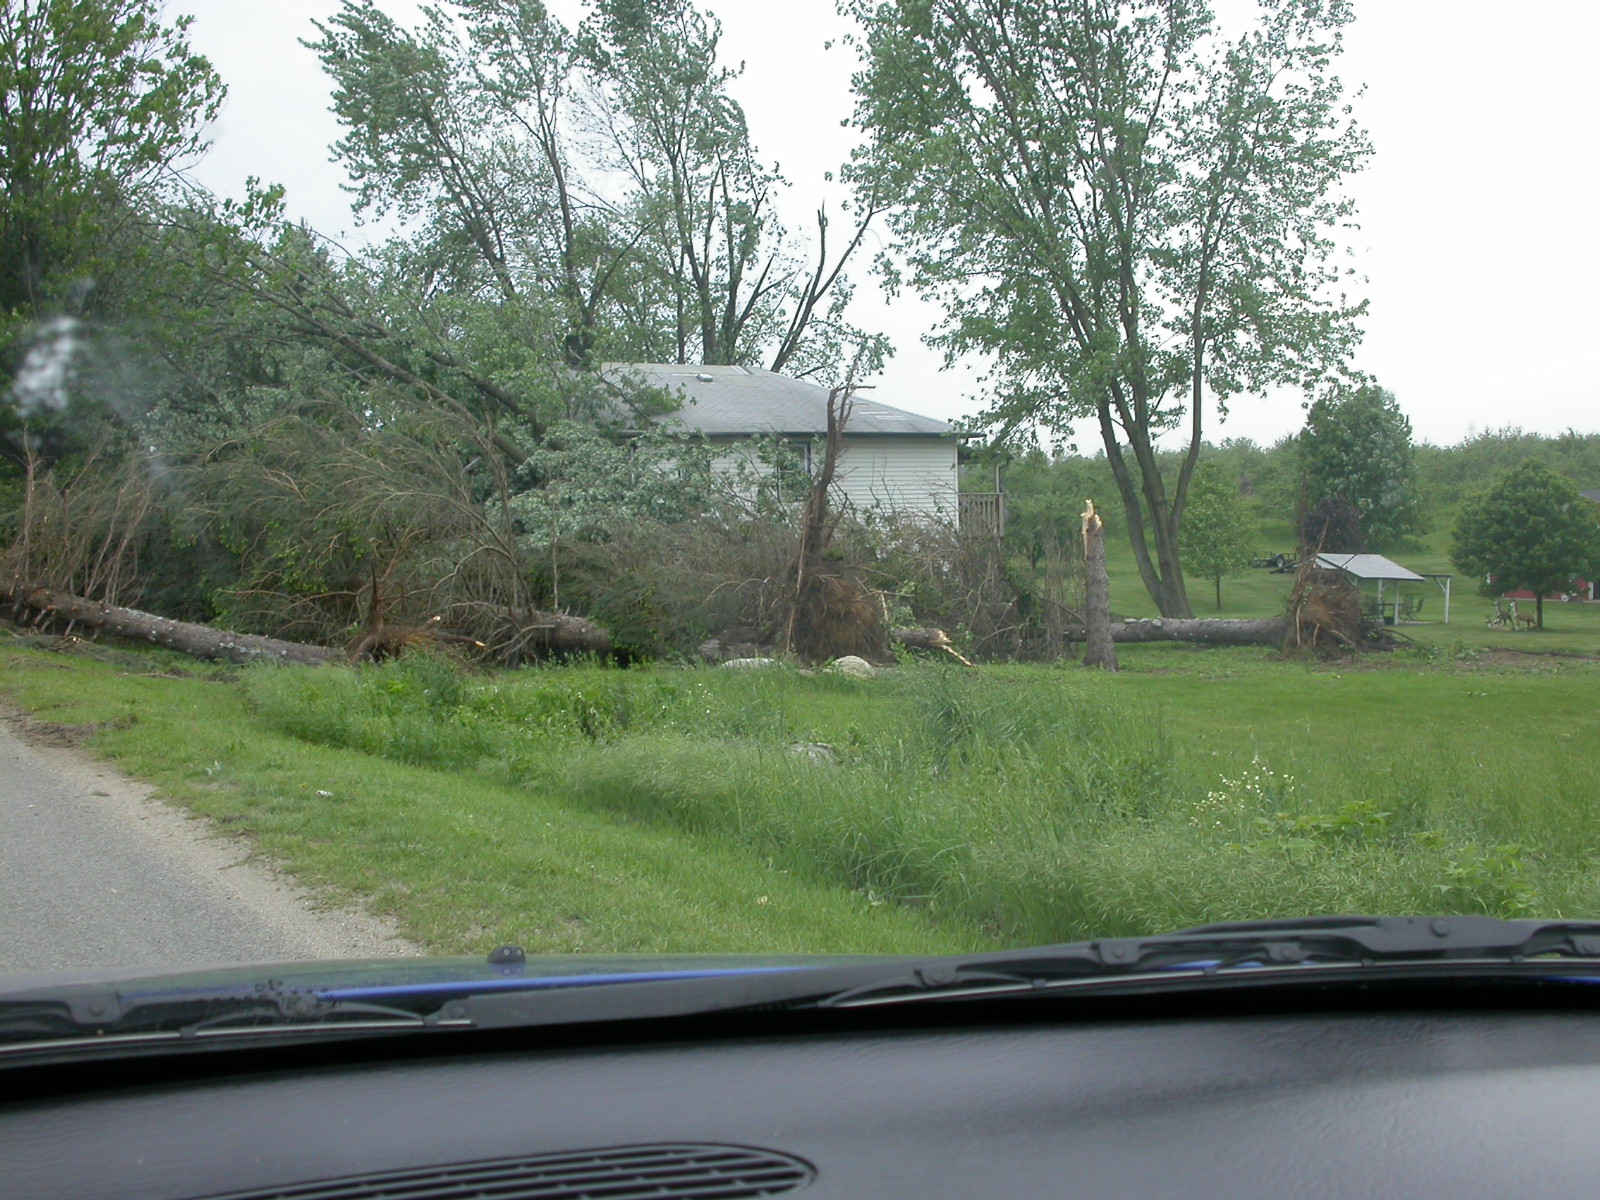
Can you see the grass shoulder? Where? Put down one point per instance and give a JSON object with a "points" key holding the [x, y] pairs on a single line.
{"points": [[462, 861]]}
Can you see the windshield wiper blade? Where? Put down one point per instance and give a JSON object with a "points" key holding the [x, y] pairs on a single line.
{"points": [[1259, 950], [106, 1015]]}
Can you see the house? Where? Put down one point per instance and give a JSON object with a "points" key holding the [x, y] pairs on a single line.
{"points": [[892, 461]]}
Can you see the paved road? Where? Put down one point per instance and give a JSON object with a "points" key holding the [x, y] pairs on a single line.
{"points": [[93, 873]]}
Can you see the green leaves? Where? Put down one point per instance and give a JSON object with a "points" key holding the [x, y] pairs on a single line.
{"points": [[1130, 214], [603, 173], [1530, 530], [1357, 446], [585, 486], [96, 98], [1221, 533]]}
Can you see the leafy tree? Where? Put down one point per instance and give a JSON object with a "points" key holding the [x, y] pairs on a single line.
{"points": [[97, 99], [1131, 214], [1220, 532], [601, 179], [1529, 530], [1357, 446]]}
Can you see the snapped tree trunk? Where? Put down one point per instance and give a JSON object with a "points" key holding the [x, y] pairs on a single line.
{"points": [[1098, 648], [830, 613]]}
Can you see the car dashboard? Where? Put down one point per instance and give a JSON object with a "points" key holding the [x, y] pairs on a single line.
{"points": [[1338, 1104]]}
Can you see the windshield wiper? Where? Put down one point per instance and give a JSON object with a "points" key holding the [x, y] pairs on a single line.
{"points": [[1260, 951], [1255, 952], [106, 1015], [1312, 950]]}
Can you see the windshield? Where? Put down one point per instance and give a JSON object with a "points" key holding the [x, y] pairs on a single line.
{"points": [[645, 478]]}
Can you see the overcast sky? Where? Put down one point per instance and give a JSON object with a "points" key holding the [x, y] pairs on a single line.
{"points": [[1477, 238]]}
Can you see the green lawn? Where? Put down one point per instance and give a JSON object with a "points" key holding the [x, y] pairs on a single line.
{"points": [[1568, 628], [936, 807]]}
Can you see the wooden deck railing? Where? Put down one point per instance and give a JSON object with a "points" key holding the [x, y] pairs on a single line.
{"points": [[983, 514]]}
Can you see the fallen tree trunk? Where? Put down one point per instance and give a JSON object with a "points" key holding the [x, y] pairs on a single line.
{"points": [[1267, 631], [531, 631], [198, 641], [524, 631]]}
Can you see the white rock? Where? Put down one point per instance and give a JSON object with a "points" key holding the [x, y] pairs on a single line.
{"points": [[855, 668]]}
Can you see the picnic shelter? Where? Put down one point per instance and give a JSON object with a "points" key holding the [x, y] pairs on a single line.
{"points": [[1390, 577]]}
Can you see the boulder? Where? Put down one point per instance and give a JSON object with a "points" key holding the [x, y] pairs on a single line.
{"points": [[854, 667]]}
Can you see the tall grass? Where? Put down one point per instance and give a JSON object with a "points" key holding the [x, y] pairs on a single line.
{"points": [[1040, 804]]}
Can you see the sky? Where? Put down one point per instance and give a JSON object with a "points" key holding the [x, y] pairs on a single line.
{"points": [[1477, 212]]}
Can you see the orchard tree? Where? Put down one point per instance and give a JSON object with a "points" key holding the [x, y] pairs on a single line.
{"points": [[1131, 214], [1530, 530], [1356, 446], [1220, 532]]}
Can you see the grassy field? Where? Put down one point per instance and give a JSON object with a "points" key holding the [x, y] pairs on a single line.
{"points": [[932, 808], [1569, 628]]}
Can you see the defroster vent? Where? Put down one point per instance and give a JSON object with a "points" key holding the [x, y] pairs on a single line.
{"points": [[664, 1172]]}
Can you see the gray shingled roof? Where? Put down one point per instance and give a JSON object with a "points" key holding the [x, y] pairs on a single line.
{"points": [[732, 401]]}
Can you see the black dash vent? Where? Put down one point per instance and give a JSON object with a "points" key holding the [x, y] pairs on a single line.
{"points": [[669, 1172]]}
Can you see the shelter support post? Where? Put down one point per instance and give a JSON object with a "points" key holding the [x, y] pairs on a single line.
{"points": [[1443, 581]]}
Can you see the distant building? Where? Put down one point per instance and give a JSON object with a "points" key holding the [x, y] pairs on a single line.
{"points": [[892, 461]]}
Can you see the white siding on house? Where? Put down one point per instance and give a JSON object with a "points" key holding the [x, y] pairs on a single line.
{"points": [[734, 458], [911, 476], [741, 459], [908, 476]]}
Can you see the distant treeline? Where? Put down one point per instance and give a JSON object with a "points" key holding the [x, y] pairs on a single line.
{"points": [[1044, 490]]}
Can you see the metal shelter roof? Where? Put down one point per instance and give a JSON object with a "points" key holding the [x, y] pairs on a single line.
{"points": [[1368, 566], [721, 401]]}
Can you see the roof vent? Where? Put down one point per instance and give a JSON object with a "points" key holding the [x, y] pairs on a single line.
{"points": [[705, 377], [659, 1172]]}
